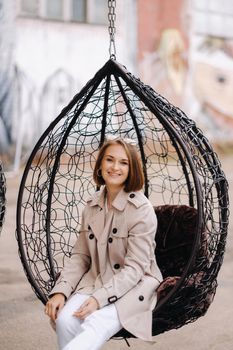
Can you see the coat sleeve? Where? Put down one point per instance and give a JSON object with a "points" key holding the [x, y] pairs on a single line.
{"points": [[76, 266], [139, 255]]}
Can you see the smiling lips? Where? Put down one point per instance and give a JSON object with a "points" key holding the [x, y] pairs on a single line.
{"points": [[114, 174]]}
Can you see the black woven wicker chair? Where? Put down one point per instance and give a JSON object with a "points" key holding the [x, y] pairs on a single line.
{"points": [[183, 180], [2, 196]]}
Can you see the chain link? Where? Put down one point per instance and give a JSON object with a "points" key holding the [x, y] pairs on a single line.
{"points": [[111, 28]]}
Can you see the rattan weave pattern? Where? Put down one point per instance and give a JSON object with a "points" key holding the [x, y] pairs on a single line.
{"points": [[2, 196], [180, 167]]}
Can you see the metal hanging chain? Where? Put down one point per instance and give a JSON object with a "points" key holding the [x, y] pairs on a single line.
{"points": [[111, 28]]}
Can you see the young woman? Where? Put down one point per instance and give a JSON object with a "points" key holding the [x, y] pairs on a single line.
{"points": [[111, 279]]}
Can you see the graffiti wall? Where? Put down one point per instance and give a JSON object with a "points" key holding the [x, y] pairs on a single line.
{"points": [[212, 84], [6, 73], [191, 63], [44, 62], [165, 69], [36, 107]]}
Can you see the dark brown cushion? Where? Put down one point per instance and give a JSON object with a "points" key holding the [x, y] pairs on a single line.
{"points": [[166, 286], [174, 237]]}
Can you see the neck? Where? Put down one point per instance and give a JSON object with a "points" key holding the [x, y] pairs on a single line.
{"points": [[112, 193]]}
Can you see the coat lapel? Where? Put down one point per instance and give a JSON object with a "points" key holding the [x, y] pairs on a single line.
{"points": [[97, 223], [96, 220]]}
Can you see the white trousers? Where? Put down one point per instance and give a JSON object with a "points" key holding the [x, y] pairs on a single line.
{"points": [[88, 334]]}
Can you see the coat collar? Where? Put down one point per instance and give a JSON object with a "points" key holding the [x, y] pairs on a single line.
{"points": [[98, 198], [119, 202]]}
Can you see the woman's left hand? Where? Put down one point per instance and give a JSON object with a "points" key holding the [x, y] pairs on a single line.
{"points": [[89, 306]]}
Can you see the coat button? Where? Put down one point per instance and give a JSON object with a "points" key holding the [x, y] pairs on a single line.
{"points": [[110, 240], [114, 230], [141, 297], [91, 236], [116, 266], [132, 195], [112, 299], [89, 227]]}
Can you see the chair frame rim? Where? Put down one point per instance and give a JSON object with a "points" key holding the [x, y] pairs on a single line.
{"points": [[113, 67]]}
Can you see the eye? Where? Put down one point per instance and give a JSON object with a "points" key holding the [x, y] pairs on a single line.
{"points": [[221, 79]]}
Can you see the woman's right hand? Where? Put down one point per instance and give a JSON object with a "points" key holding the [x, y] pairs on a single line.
{"points": [[55, 304]]}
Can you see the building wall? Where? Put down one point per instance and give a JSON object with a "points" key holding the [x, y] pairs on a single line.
{"points": [[153, 17], [53, 60], [6, 72], [157, 40]]}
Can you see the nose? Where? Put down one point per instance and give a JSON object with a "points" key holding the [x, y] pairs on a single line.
{"points": [[115, 165]]}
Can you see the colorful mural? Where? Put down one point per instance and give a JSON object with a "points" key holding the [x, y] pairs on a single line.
{"points": [[212, 84], [192, 65], [165, 69]]}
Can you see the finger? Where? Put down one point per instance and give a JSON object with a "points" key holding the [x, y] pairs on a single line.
{"points": [[80, 314], [47, 306], [84, 313], [46, 311], [82, 306], [54, 313], [51, 311]]}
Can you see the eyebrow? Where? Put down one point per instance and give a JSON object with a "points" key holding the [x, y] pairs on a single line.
{"points": [[109, 155]]}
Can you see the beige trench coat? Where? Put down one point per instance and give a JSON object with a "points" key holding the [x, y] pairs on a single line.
{"points": [[113, 259]]}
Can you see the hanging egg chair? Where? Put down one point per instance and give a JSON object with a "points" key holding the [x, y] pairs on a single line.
{"points": [[2, 196], [183, 180]]}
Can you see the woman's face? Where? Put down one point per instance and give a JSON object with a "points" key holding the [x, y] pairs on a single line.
{"points": [[115, 167]]}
